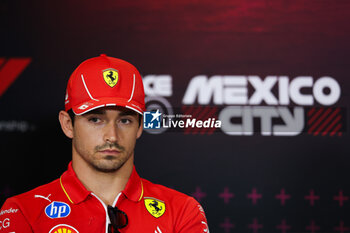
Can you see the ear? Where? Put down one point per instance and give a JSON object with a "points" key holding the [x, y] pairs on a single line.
{"points": [[140, 129], [66, 123]]}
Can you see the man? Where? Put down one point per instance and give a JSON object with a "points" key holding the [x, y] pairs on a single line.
{"points": [[101, 191]]}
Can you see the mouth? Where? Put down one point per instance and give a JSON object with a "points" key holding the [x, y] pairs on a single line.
{"points": [[110, 152]]}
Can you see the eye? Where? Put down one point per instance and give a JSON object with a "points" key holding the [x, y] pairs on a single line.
{"points": [[95, 119], [125, 121]]}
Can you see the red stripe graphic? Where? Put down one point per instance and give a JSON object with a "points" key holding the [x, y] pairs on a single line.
{"points": [[187, 110], [327, 121], [331, 125], [200, 113], [194, 111], [315, 116], [211, 114], [321, 121], [311, 112], [336, 130], [200, 116], [10, 70]]}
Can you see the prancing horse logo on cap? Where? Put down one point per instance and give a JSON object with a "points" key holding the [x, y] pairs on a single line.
{"points": [[110, 76]]}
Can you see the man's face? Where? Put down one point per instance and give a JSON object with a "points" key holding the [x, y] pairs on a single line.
{"points": [[105, 138]]}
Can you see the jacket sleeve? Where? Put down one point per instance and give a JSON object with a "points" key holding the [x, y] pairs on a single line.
{"points": [[192, 218], [12, 219]]}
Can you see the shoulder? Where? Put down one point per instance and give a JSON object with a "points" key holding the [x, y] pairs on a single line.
{"points": [[30, 204], [38, 194], [178, 202], [157, 190], [186, 213]]}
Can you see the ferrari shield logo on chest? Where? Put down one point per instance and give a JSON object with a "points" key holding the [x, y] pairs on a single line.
{"points": [[110, 76], [155, 207]]}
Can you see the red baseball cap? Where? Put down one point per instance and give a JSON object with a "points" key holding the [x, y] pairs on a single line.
{"points": [[105, 81]]}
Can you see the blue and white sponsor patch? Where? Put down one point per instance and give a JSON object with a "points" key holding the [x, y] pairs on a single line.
{"points": [[152, 120], [57, 210]]}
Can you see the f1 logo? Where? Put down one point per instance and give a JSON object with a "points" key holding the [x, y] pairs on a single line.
{"points": [[10, 69]]}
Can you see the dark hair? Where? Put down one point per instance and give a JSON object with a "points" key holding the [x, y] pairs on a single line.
{"points": [[72, 115]]}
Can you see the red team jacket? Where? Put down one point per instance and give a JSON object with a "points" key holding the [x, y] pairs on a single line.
{"points": [[66, 206]]}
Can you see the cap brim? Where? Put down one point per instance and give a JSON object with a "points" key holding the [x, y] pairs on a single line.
{"points": [[107, 102]]}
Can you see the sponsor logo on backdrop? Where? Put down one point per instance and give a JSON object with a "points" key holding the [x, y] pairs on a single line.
{"points": [[158, 85], [235, 90], [57, 210], [154, 206], [16, 126], [248, 105], [10, 70], [276, 103]]}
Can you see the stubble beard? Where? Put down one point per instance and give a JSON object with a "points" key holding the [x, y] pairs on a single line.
{"points": [[107, 163], [110, 163]]}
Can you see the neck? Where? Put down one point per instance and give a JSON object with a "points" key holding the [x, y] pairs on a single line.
{"points": [[106, 186]]}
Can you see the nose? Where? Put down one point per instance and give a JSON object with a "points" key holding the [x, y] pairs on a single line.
{"points": [[111, 132]]}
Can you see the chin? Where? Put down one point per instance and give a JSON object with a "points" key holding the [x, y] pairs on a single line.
{"points": [[108, 167], [107, 170]]}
